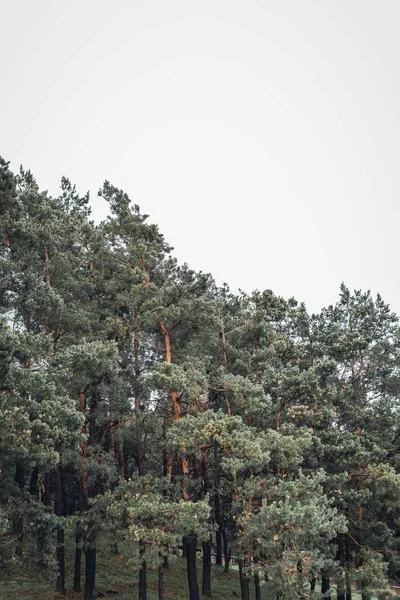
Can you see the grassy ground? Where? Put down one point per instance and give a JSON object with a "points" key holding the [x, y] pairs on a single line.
{"points": [[117, 580]]}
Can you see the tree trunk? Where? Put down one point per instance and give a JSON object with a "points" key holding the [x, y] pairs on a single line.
{"points": [[60, 587], [218, 542], [348, 563], [257, 586], [206, 584], [161, 595], [33, 485], [90, 579], [227, 551], [190, 542], [18, 524], [325, 585], [244, 582], [340, 581], [313, 581], [142, 572], [78, 557], [59, 510]]}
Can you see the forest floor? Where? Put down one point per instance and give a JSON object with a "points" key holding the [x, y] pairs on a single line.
{"points": [[116, 579]]}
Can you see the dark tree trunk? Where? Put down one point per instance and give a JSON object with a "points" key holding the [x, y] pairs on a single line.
{"points": [[244, 582], [142, 572], [90, 578], [206, 584], [33, 485], [46, 496], [257, 586], [165, 560], [161, 595], [60, 587], [340, 582], [325, 585], [348, 563], [59, 510], [18, 524], [218, 542], [190, 543], [227, 551], [78, 557], [313, 581], [218, 533]]}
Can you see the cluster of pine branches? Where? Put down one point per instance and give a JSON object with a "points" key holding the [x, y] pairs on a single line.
{"points": [[141, 402]]}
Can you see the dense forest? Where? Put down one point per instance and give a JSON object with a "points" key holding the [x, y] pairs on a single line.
{"points": [[143, 405]]}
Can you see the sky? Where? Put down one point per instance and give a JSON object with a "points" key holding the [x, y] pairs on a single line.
{"points": [[261, 136]]}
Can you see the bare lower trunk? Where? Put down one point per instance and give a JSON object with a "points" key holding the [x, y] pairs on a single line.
{"points": [[218, 549], [257, 589], [59, 510], [190, 542], [161, 594], [206, 584], [78, 558], [90, 579], [142, 572], [325, 585], [244, 581], [60, 587], [18, 524]]}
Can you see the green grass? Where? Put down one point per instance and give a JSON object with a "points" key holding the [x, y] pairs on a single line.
{"points": [[116, 579]]}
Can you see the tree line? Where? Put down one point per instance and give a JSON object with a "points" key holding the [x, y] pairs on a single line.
{"points": [[141, 402]]}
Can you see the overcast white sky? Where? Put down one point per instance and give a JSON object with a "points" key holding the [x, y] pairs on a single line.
{"points": [[261, 136]]}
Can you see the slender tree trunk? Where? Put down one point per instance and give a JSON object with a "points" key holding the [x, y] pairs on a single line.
{"points": [[340, 581], [218, 542], [325, 585], [218, 534], [190, 541], [33, 485], [121, 459], [60, 587], [348, 563], [313, 581], [142, 572], [46, 493], [206, 584], [257, 588], [161, 594], [244, 581], [59, 510], [227, 551], [18, 524], [90, 575], [348, 590], [78, 557]]}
